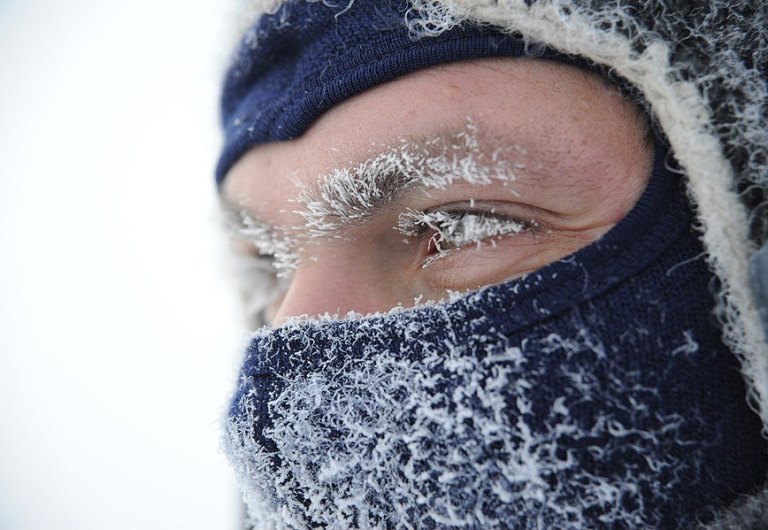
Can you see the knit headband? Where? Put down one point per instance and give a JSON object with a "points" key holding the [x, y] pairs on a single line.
{"points": [[307, 57]]}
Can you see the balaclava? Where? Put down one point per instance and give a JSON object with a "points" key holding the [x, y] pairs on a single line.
{"points": [[596, 392]]}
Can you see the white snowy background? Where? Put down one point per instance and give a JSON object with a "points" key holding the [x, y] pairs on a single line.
{"points": [[118, 335]]}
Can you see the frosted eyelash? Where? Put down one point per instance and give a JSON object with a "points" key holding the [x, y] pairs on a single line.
{"points": [[273, 245], [262, 272], [257, 284], [459, 227]]}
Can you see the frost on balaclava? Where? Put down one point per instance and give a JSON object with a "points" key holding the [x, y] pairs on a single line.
{"points": [[594, 393]]}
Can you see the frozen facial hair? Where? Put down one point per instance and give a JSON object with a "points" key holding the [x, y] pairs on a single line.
{"points": [[352, 195], [276, 243], [262, 264], [456, 228], [589, 394]]}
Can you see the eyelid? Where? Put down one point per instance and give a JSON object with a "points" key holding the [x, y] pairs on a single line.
{"points": [[485, 212], [457, 225], [414, 222]]}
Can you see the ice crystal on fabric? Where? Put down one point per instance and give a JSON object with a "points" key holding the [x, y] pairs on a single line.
{"points": [[455, 436]]}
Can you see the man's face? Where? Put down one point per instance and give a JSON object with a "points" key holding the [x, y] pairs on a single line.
{"points": [[448, 179]]}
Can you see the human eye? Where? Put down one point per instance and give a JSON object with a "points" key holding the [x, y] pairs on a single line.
{"points": [[262, 262], [445, 230], [257, 283]]}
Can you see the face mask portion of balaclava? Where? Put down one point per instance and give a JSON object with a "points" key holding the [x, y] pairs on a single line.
{"points": [[594, 393]]}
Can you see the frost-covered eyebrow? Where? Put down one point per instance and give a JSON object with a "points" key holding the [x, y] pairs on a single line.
{"points": [[351, 195]]}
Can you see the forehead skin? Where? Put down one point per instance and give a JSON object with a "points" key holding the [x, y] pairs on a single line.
{"points": [[580, 135]]}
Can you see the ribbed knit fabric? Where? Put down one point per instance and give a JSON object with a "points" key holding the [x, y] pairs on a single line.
{"points": [[594, 393], [308, 57]]}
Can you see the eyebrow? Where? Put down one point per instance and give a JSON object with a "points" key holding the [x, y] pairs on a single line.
{"points": [[350, 196]]}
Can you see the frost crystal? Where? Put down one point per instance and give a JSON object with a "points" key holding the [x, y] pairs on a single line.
{"points": [[398, 421]]}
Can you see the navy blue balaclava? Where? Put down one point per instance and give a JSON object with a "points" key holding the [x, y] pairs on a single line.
{"points": [[594, 393]]}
